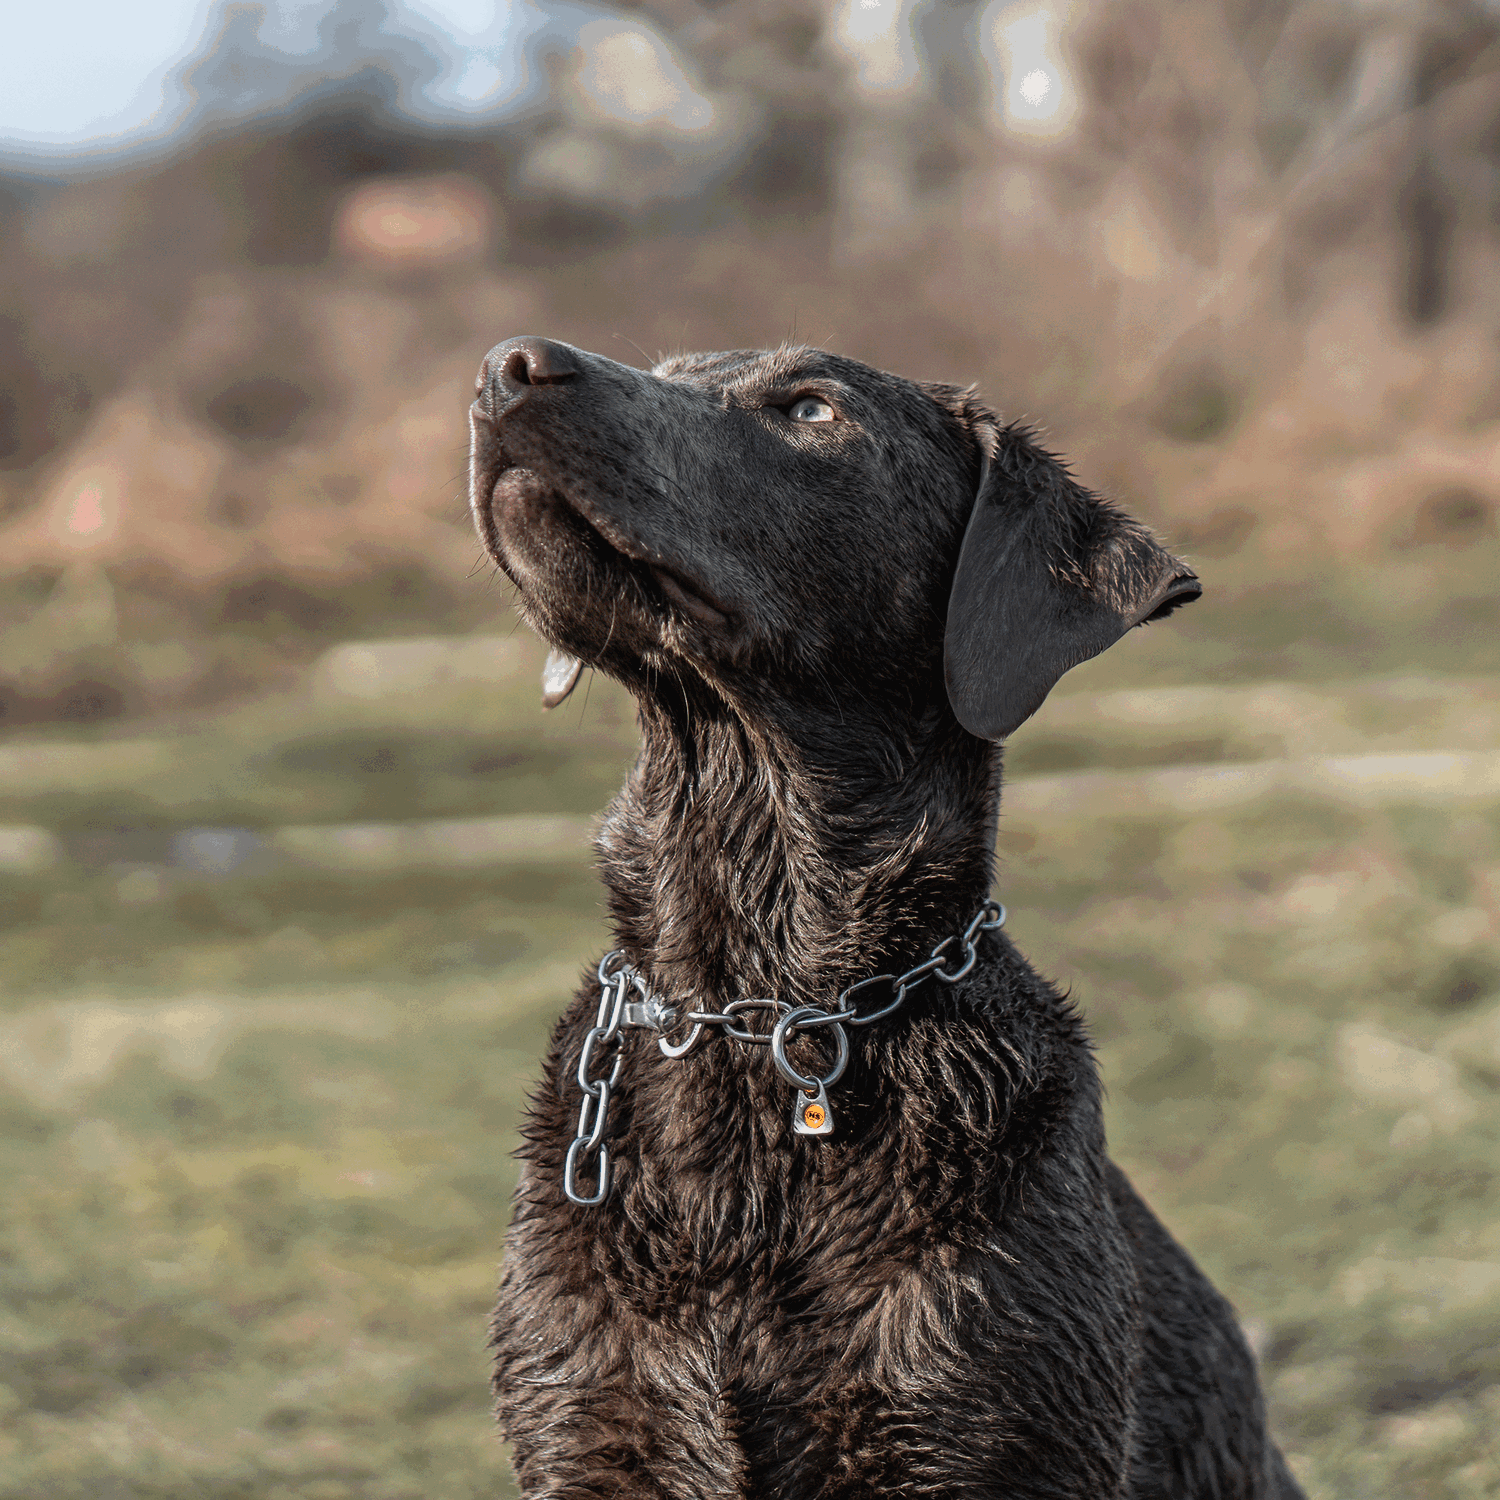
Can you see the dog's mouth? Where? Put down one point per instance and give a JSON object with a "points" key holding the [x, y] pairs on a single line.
{"points": [[522, 497], [690, 597], [515, 483]]}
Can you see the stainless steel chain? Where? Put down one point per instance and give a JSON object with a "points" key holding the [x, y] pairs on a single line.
{"points": [[811, 1112]]}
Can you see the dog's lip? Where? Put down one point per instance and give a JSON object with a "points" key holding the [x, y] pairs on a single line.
{"points": [[690, 596], [1181, 586], [681, 589]]}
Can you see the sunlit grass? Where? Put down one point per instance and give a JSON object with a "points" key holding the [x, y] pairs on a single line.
{"points": [[256, 1130]]}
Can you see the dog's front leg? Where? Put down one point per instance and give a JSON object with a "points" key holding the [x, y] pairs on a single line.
{"points": [[610, 1431], [597, 1399]]}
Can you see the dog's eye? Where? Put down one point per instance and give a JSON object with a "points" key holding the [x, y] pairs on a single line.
{"points": [[810, 409]]}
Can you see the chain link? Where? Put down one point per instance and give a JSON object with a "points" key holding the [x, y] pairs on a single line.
{"points": [[618, 978]]}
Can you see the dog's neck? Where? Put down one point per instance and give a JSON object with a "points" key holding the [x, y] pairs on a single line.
{"points": [[740, 863]]}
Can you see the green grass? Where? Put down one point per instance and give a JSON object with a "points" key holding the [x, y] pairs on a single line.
{"points": [[1298, 1010], [471, 753], [256, 1132], [142, 934], [291, 758], [267, 1276]]}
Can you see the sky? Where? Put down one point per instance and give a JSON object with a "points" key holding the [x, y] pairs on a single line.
{"points": [[81, 76], [77, 73]]}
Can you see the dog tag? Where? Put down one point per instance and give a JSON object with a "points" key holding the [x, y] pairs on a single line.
{"points": [[811, 1114]]}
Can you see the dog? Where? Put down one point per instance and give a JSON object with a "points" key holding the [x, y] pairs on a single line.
{"points": [[814, 1199]]}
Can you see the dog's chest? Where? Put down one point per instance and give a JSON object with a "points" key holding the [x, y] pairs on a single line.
{"points": [[850, 1363], [755, 1313], [821, 1321], [821, 1362]]}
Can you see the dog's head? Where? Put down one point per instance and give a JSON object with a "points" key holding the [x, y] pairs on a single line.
{"points": [[794, 525]]}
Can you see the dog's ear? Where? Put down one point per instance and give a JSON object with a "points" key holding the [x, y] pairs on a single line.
{"points": [[1048, 576]]}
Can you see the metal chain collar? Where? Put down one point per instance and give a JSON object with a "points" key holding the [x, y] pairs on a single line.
{"points": [[811, 1113]]}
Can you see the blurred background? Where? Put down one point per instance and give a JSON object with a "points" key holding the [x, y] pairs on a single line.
{"points": [[293, 870]]}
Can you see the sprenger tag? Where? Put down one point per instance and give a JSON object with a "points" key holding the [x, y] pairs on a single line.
{"points": [[811, 1114]]}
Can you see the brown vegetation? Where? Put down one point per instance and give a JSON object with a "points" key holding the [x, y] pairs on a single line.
{"points": [[1248, 288]]}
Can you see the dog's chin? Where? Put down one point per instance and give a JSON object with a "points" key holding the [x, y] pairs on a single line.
{"points": [[534, 531], [520, 505], [538, 540]]}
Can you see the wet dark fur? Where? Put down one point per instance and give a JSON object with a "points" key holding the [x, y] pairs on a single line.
{"points": [[957, 1293]]}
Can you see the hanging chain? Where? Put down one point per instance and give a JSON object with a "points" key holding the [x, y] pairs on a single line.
{"points": [[598, 1073]]}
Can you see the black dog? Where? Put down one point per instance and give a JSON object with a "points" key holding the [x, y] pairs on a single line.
{"points": [[831, 591]]}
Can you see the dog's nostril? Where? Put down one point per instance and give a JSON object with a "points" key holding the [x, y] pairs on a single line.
{"points": [[516, 369], [531, 361], [510, 368]]}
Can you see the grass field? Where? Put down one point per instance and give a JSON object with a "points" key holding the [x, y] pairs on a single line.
{"points": [[256, 1122]]}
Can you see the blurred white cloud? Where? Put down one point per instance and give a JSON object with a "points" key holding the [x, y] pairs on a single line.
{"points": [[1035, 93], [629, 74], [879, 36]]}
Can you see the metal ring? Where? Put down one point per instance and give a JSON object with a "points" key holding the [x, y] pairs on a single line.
{"points": [[681, 1049], [784, 1027], [755, 1002], [612, 1002], [570, 1173], [984, 922], [593, 1111], [587, 1084], [920, 972], [585, 1056], [605, 976], [824, 1018], [739, 1033], [884, 1011], [846, 1001], [600, 1102], [971, 957]]}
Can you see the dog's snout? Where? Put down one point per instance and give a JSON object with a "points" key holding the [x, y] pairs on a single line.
{"points": [[510, 368]]}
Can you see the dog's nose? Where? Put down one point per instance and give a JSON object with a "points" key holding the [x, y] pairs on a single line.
{"points": [[510, 368]]}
